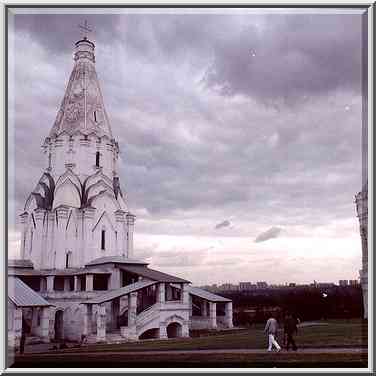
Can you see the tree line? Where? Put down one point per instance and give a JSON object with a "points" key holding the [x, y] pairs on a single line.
{"points": [[309, 303]]}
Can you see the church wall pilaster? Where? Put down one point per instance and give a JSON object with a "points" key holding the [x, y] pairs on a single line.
{"points": [[80, 237], [24, 224], [38, 238], [130, 227], [61, 241], [88, 218], [121, 233], [50, 245]]}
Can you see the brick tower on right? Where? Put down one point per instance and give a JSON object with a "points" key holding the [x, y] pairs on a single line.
{"points": [[361, 201]]}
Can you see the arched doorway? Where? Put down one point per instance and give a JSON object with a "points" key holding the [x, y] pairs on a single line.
{"points": [[59, 325], [174, 330]]}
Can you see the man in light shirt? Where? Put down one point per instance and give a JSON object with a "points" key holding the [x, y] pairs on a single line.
{"points": [[271, 329]]}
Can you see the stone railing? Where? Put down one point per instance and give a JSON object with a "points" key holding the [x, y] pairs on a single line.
{"points": [[84, 295], [147, 315], [174, 304]]}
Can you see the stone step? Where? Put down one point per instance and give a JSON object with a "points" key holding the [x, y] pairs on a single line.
{"points": [[110, 338], [33, 340]]}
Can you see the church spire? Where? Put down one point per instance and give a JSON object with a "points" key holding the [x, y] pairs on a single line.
{"points": [[85, 29], [82, 109]]}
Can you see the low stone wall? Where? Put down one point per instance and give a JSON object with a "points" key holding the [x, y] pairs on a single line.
{"points": [[128, 333], [13, 341], [199, 322]]}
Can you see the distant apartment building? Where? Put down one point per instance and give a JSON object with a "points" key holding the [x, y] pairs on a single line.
{"points": [[247, 286], [353, 282], [323, 285], [228, 287], [261, 285]]}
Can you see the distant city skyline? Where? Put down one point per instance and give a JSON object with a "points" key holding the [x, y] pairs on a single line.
{"points": [[260, 284], [240, 135]]}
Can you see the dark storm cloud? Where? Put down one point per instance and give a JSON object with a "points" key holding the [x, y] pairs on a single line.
{"points": [[225, 223], [272, 233], [58, 32], [295, 56], [287, 58], [184, 148]]}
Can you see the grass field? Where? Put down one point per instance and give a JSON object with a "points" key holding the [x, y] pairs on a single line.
{"points": [[335, 334]]}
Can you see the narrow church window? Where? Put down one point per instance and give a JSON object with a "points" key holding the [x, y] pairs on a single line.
{"points": [[97, 159], [31, 241], [103, 240], [24, 241], [95, 116], [67, 260]]}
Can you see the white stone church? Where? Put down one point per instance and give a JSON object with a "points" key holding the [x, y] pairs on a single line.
{"points": [[77, 277]]}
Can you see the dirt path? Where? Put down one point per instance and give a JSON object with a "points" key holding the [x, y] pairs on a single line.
{"points": [[329, 350]]}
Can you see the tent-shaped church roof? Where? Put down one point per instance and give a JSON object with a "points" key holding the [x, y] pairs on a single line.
{"points": [[82, 109]]}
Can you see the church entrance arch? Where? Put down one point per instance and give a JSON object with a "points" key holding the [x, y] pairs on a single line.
{"points": [[174, 330], [59, 325]]}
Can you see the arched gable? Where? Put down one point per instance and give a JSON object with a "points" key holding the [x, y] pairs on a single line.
{"points": [[73, 178], [96, 188], [92, 186], [47, 194], [42, 195], [104, 201], [48, 180], [31, 203], [67, 193], [99, 175]]}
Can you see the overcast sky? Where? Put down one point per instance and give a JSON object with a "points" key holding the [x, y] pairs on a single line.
{"points": [[240, 135]]}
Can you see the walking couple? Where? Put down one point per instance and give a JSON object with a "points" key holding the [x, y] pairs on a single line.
{"points": [[290, 328]]}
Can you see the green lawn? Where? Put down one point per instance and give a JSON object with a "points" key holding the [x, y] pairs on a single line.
{"points": [[333, 333]]}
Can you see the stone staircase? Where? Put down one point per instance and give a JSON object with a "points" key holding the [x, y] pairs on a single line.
{"points": [[144, 319], [112, 337], [149, 318], [149, 314]]}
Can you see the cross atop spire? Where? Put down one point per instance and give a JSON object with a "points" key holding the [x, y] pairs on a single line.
{"points": [[85, 29]]}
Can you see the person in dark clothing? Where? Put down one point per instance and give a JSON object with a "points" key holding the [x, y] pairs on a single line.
{"points": [[25, 329], [290, 328]]}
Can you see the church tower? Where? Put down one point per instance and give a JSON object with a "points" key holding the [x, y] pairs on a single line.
{"points": [[361, 201], [77, 211]]}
